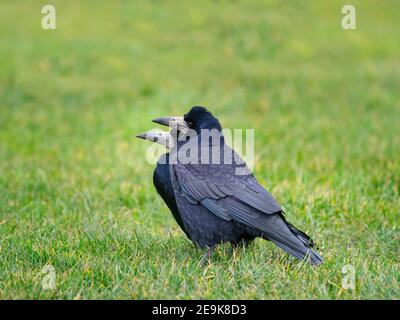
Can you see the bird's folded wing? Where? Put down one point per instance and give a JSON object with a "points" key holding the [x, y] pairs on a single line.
{"points": [[203, 183]]}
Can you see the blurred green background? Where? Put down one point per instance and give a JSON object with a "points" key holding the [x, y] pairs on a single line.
{"points": [[75, 189]]}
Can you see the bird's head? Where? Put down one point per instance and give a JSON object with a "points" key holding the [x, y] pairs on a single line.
{"points": [[197, 119]]}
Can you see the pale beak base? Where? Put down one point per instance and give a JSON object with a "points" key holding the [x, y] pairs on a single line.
{"points": [[161, 137], [172, 122]]}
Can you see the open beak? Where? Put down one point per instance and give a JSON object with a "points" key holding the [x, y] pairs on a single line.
{"points": [[161, 137], [172, 122]]}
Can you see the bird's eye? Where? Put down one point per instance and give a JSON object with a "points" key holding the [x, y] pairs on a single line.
{"points": [[190, 123]]}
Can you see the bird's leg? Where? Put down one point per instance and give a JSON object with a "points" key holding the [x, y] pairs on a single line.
{"points": [[243, 244], [207, 255]]}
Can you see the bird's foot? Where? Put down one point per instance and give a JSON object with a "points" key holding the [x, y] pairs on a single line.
{"points": [[206, 256]]}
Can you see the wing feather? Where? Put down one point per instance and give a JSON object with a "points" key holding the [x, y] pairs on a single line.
{"points": [[207, 183]]}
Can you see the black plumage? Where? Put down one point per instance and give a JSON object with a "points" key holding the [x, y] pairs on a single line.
{"points": [[163, 185], [213, 204]]}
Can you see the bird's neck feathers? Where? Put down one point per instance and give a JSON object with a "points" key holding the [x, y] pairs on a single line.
{"points": [[209, 123], [206, 128]]}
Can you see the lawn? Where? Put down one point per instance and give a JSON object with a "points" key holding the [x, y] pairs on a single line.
{"points": [[76, 191]]}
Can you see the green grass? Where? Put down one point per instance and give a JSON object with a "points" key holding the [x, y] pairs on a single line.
{"points": [[76, 191]]}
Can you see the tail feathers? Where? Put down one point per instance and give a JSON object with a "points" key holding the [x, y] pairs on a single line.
{"points": [[314, 257], [301, 235], [290, 239]]}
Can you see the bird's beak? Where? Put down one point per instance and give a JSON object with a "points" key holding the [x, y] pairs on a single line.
{"points": [[172, 122], [161, 137]]}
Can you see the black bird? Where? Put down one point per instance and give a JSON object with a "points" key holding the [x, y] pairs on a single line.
{"points": [[216, 203]]}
